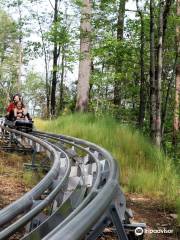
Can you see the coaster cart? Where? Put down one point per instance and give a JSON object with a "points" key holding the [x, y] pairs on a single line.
{"points": [[12, 141], [20, 125]]}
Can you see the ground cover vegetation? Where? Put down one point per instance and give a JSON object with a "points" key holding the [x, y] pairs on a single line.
{"points": [[143, 167]]}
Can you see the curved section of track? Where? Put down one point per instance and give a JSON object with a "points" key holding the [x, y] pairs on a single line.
{"points": [[82, 188]]}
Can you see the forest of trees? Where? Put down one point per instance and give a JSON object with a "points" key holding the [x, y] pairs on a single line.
{"points": [[127, 60]]}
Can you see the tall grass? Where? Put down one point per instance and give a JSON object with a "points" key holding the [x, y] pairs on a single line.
{"points": [[143, 168]]}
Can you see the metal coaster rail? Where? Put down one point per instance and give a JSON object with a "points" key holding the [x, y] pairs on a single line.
{"points": [[28, 201], [82, 188]]}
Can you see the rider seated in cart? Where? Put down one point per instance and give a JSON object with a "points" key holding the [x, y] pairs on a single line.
{"points": [[20, 112], [10, 109]]}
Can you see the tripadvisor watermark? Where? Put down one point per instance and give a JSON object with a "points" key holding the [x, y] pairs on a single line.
{"points": [[139, 231]]}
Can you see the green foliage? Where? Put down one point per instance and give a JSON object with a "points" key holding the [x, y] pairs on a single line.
{"points": [[144, 168], [31, 178], [58, 33], [9, 54], [34, 91], [79, 3], [112, 60]]}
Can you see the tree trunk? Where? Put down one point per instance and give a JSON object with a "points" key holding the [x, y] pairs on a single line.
{"points": [[158, 136], [164, 110], [142, 104], [176, 108], [177, 102], [55, 64], [18, 83], [120, 30], [20, 66], [152, 74], [61, 98], [166, 13], [46, 66], [91, 84], [85, 59]]}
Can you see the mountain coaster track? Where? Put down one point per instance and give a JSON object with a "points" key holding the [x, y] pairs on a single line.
{"points": [[78, 197]]}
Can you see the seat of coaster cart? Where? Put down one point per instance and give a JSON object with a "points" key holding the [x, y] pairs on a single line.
{"points": [[8, 123], [20, 124], [23, 125]]}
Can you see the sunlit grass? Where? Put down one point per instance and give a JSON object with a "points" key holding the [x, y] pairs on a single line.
{"points": [[143, 168], [12, 165], [31, 178]]}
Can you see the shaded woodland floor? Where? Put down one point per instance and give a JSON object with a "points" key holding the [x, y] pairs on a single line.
{"points": [[152, 213], [149, 211]]}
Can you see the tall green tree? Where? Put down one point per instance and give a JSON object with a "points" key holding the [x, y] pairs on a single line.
{"points": [[34, 92], [56, 52], [142, 102], [152, 71], [120, 31], [85, 58], [158, 136], [177, 85], [9, 55]]}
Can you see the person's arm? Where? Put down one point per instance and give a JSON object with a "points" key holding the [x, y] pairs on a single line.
{"points": [[25, 113], [15, 112], [9, 108]]}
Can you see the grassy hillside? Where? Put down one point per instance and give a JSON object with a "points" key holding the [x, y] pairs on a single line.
{"points": [[143, 168]]}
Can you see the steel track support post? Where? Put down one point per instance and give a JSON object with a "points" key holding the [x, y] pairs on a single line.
{"points": [[116, 219], [98, 228], [33, 154], [10, 139]]}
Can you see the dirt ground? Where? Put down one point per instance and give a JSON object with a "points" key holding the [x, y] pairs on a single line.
{"points": [[156, 218], [149, 211], [144, 209]]}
